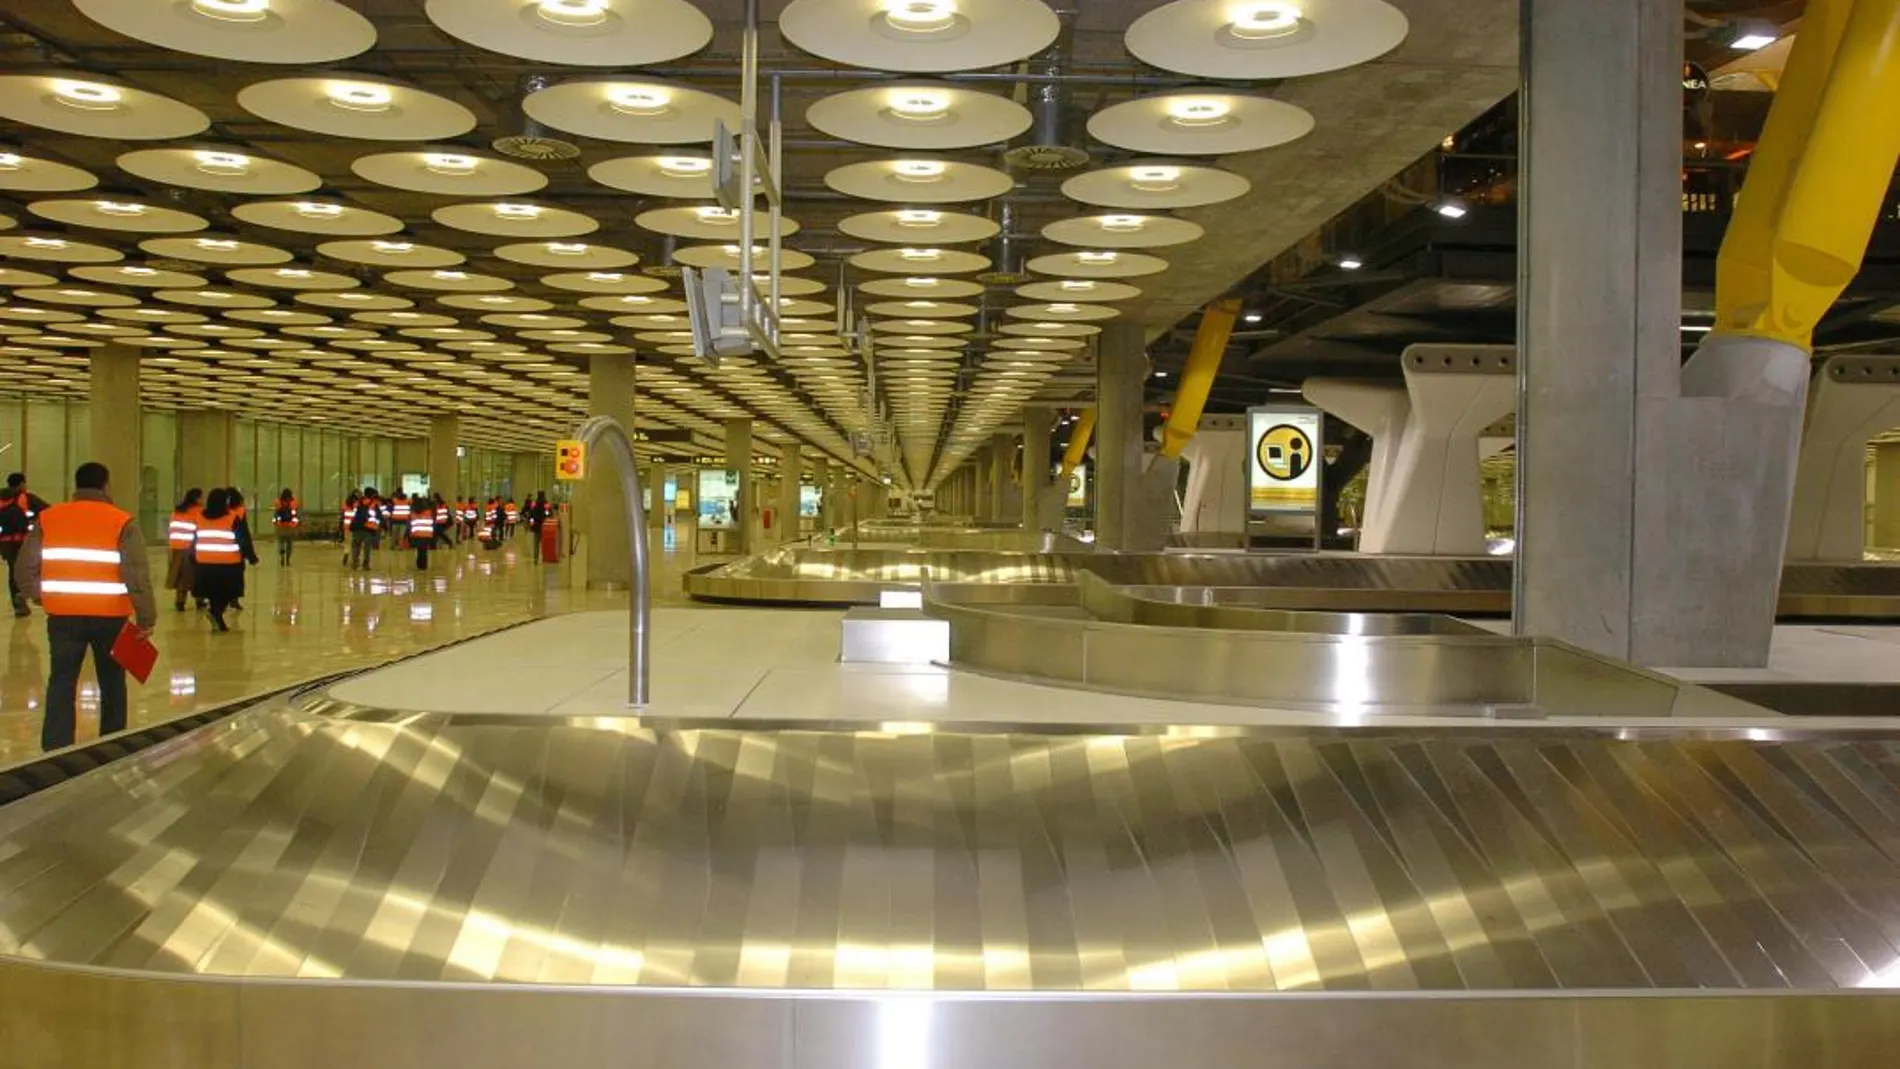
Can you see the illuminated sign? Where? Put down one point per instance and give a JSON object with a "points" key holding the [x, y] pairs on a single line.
{"points": [[1079, 488], [570, 460], [1284, 466]]}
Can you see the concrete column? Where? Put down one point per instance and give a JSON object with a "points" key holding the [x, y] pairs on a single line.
{"points": [[790, 471], [525, 476], [983, 507], [604, 521], [1038, 425], [117, 436], [207, 448], [1886, 495], [1005, 493], [445, 468], [739, 458], [654, 478], [412, 455], [1121, 367], [1643, 519]]}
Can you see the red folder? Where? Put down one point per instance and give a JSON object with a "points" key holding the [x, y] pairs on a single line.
{"points": [[134, 652]]}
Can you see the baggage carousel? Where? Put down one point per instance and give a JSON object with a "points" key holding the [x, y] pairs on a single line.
{"points": [[1342, 582]]}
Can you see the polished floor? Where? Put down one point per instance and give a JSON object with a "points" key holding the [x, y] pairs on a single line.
{"points": [[311, 619]]}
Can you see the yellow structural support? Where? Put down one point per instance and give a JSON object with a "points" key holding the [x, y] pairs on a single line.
{"points": [[1078, 444], [1197, 375], [1819, 175]]}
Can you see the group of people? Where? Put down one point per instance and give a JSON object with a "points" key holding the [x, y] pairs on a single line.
{"points": [[429, 521], [209, 536]]}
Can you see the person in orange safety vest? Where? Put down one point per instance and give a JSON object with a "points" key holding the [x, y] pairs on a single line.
{"points": [[85, 564]]}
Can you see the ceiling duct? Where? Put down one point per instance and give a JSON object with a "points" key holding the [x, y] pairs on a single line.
{"points": [[1007, 261], [664, 267], [523, 137], [1053, 144]]}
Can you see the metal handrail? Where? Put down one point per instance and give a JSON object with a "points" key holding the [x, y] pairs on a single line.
{"points": [[640, 582]]}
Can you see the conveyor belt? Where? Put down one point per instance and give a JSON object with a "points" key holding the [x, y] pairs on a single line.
{"points": [[290, 843], [1469, 586]]}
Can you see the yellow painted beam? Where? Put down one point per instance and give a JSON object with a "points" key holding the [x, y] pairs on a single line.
{"points": [[1078, 445], [1198, 374], [1819, 176]]}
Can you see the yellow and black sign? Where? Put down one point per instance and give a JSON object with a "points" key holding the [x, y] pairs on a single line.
{"points": [[1285, 452], [570, 460]]}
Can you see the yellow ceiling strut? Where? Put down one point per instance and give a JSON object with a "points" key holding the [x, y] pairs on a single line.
{"points": [[1078, 443], [1819, 174], [1197, 375]]}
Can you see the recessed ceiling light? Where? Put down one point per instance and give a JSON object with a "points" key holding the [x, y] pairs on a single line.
{"points": [[1123, 223], [1198, 111], [639, 99], [449, 164], [449, 276], [919, 105], [684, 166], [922, 283], [10, 161], [919, 170], [921, 16], [567, 248], [87, 96], [1154, 179], [1251, 317], [1351, 263], [1752, 42], [1094, 257], [360, 96], [1451, 209], [222, 164], [233, 10], [139, 271], [292, 272], [610, 276], [312, 209], [1263, 21], [920, 255], [120, 208], [46, 243], [394, 248], [517, 211], [575, 13], [716, 215], [216, 244]]}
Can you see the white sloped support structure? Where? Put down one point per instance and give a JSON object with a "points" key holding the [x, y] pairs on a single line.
{"points": [[1851, 399], [1216, 497], [1423, 495]]}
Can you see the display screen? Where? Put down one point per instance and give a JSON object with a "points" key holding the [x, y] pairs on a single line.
{"points": [[1079, 488], [808, 498], [1283, 466], [718, 498]]}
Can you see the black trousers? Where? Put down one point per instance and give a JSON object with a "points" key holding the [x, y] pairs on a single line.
{"points": [[10, 552], [422, 550], [69, 638]]}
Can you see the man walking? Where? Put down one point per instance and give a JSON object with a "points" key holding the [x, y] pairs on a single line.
{"points": [[84, 563], [18, 509]]}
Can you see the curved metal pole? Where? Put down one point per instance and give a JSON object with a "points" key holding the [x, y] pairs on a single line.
{"points": [[592, 434]]}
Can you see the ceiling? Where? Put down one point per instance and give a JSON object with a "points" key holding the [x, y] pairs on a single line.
{"points": [[392, 255]]}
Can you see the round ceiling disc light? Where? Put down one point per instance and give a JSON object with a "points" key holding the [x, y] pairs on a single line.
{"points": [[680, 175], [291, 278], [727, 257], [1051, 329], [919, 226], [912, 259], [355, 105], [118, 213], [449, 171], [354, 301], [1092, 263], [317, 217], [573, 255], [919, 115], [56, 248], [920, 36], [26, 174], [579, 33], [1200, 123], [919, 181], [636, 110], [1041, 344], [390, 252], [922, 309], [89, 107], [624, 283], [74, 295], [256, 31], [137, 275], [1260, 39], [219, 168], [210, 248], [1155, 184], [922, 287], [707, 223], [1078, 289], [13, 276], [449, 280], [515, 219], [1123, 230], [1062, 312]]}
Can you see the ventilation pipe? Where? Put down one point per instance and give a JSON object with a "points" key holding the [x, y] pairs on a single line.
{"points": [[1051, 146], [524, 138], [1007, 266]]}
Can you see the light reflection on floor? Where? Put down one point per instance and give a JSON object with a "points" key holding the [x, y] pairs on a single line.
{"points": [[308, 620]]}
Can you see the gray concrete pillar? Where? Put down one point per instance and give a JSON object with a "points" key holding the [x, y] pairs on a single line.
{"points": [[117, 434], [445, 466], [654, 481], [1038, 425], [984, 507], [1599, 285], [207, 448], [525, 476], [739, 458], [791, 469], [1005, 492], [412, 457], [1121, 369], [604, 518]]}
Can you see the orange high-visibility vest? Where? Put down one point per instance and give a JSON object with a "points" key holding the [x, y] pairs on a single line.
{"points": [[184, 524], [514, 514], [444, 515], [287, 518], [422, 525], [80, 563], [399, 510], [216, 541]]}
